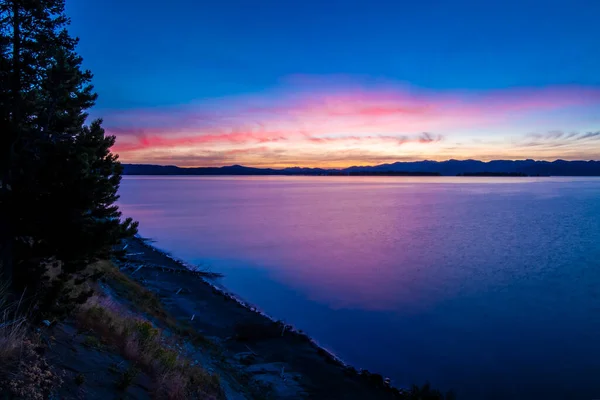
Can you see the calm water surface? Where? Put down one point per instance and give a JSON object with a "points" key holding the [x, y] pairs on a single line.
{"points": [[490, 286]]}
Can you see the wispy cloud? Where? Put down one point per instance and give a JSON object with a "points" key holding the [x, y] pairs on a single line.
{"points": [[562, 139], [309, 121]]}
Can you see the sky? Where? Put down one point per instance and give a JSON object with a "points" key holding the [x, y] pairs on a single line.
{"points": [[323, 83]]}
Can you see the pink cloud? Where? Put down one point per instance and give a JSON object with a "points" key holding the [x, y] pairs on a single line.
{"points": [[310, 113], [158, 138]]}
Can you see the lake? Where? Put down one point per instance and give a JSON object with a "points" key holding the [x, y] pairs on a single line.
{"points": [[489, 286]]}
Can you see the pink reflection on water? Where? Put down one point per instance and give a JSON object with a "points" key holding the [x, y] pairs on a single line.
{"points": [[359, 243], [343, 258], [502, 267], [348, 245]]}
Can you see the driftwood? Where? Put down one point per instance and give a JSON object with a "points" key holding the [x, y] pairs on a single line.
{"points": [[251, 351], [137, 269], [199, 273]]}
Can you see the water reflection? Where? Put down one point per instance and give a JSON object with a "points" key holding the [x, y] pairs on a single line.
{"points": [[468, 282]]}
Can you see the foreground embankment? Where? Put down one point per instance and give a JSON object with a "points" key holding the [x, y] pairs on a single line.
{"points": [[269, 355], [153, 327]]}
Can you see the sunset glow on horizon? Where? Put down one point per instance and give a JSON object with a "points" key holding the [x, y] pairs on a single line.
{"points": [[322, 123], [339, 83]]}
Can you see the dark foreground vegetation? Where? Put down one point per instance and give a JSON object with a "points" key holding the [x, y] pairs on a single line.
{"points": [[73, 324], [58, 178]]}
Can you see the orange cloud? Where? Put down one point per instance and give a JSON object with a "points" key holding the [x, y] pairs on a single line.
{"points": [[311, 122]]}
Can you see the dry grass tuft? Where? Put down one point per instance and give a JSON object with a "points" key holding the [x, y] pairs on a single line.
{"points": [[24, 373], [148, 349], [144, 300], [12, 333]]}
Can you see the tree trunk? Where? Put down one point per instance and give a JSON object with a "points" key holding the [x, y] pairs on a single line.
{"points": [[6, 217]]}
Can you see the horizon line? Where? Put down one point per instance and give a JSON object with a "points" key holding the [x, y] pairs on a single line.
{"points": [[359, 166]]}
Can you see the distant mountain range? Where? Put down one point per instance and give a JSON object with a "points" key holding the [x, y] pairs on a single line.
{"points": [[420, 168]]}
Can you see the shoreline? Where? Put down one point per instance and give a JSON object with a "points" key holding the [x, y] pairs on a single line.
{"points": [[274, 353], [206, 276]]}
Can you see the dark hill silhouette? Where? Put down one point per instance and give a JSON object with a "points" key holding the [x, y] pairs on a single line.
{"points": [[446, 168]]}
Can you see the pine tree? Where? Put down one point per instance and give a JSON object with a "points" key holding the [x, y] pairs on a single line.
{"points": [[5, 145], [59, 178]]}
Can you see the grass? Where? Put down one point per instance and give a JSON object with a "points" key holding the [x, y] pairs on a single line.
{"points": [[24, 373], [12, 328], [145, 346], [175, 378], [12, 334], [141, 298], [146, 301]]}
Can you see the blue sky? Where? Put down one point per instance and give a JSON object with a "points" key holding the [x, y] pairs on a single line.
{"points": [[151, 54]]}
